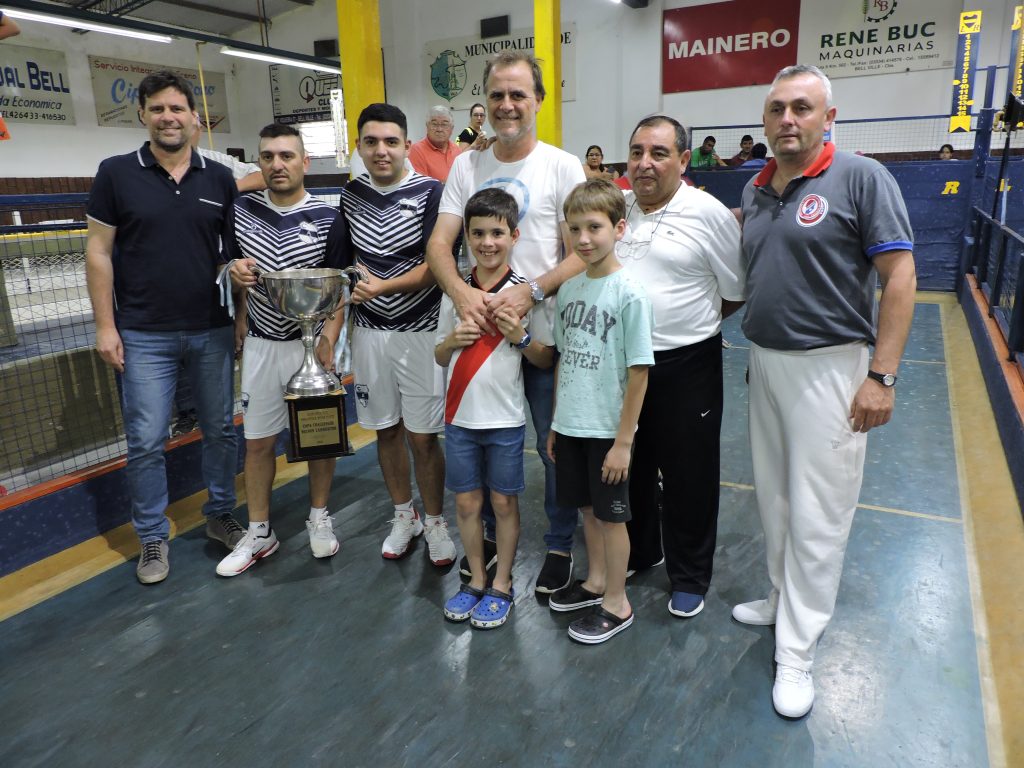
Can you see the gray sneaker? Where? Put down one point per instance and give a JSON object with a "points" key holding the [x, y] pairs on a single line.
{"points": [[153, 564], [224, 529]]}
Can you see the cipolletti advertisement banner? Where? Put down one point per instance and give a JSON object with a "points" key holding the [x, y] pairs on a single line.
{"points": [[454, 68], [725, 45], [301, 95], [115, 89], [968, 48], [34, 86], [852, 38]]}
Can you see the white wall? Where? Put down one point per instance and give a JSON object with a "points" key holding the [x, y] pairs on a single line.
{"points": [[618, 77]]}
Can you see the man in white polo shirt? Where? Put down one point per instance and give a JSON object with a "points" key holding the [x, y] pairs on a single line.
{"points": [[684, 247]]}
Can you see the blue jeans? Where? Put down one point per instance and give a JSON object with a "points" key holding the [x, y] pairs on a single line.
{"points": [[539, 384], [151, 361]]}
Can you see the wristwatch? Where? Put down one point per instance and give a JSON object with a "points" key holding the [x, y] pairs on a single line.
{"points": [[524, 342], [536, 292], [885, 379]]}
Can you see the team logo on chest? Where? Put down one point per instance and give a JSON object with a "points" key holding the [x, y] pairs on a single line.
{"points": [[308, 232], [811, 210]]}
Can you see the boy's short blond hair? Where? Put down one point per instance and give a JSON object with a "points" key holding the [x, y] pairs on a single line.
{"points": [[596, 195]]}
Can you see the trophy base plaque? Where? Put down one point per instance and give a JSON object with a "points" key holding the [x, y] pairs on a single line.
{"points": [[317, 426]]}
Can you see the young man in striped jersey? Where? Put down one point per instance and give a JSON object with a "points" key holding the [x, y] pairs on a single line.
{"points": [[283, 227], [390, 213]]}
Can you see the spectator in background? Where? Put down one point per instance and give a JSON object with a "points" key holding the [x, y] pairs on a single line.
{"points": [[7, 27], [946, 152], [746, 145], [758, 157], [594, 167], [474, 136], [704, 156], [433, 155]]}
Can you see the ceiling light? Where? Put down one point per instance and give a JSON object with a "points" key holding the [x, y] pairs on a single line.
{"points": [[278, 60], [77, 24]]}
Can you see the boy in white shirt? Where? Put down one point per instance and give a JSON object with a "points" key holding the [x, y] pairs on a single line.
{"points": [[485, 416]]}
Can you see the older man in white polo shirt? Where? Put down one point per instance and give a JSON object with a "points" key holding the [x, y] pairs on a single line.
{"points": [[684, 246]]}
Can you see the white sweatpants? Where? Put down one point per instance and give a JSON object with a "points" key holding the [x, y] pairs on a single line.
{"points": [[808, 468]]}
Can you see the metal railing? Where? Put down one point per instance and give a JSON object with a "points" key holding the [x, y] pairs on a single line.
{"points": [[994, 258]]}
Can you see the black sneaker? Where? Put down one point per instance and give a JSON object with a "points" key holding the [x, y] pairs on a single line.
{"points": [[555, 575], [490, 558], [573, 597]]}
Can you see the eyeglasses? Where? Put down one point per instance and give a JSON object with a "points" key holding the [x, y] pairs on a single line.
{"points": [[439, 126]]}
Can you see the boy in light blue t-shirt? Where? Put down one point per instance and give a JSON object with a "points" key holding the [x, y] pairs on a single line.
{"points": [[603, 332]]}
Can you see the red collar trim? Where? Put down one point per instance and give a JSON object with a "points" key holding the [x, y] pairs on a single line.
{"points": [[815, 169]]}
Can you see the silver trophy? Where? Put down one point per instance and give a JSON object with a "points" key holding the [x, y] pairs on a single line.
{"points": [[308, 296]]}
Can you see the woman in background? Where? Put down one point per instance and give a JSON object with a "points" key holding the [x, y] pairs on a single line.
{"points": [[594, 166]]}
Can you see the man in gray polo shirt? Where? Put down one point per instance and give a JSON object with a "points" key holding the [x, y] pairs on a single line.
{"points": [[817, 225]]}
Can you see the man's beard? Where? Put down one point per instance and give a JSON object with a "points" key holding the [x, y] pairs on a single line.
{"points": [[167, 147]]}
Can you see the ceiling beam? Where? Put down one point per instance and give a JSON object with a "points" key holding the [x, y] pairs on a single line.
{"points": [[123, 7], [241, 16], [111, 7]]}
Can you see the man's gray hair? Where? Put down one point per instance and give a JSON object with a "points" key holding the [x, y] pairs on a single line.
{"points": [[441, 111], [806, 69]]}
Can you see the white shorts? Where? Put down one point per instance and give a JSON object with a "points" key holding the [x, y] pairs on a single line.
{"points": [[396, 378], [266, 368]]}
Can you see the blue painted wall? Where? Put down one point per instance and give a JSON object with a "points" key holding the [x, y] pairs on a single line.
{"points": [[938, 214]]}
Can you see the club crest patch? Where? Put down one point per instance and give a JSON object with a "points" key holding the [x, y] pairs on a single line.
{"points": [[362, 395], [812, 209]]}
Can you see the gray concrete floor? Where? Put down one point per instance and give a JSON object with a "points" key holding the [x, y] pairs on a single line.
{"points": [[348, 662]]}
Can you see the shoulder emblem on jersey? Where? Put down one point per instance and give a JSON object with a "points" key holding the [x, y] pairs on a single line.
{"points": [[811, 210]]}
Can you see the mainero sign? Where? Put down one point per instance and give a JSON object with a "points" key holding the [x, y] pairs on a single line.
{"points": [[724, 45]]}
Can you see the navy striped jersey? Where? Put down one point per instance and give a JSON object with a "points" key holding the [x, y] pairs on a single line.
{"points": [[388, 229], [300, 236]]}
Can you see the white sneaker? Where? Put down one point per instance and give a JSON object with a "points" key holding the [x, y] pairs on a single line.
{"points": [[440, 546], [322, 540], [793, 692], [405, 526], [759, 613], [247, 551]]}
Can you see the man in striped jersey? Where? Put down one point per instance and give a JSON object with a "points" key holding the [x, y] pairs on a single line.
{"points": [[390, 212], [283, 227]]}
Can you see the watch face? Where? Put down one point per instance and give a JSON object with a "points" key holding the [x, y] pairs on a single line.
{"points": [[888, 379]]}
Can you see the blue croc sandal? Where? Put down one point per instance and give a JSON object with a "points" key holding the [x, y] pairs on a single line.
{"points": [[461, 604], [493, 610]]}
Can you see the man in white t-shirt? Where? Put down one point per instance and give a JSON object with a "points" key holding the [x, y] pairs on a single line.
{"points": [[684, 247], [539, 177], [248, 176]]}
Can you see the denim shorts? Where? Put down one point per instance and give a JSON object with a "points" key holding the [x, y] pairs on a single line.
{"points": [[475, 458]]}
